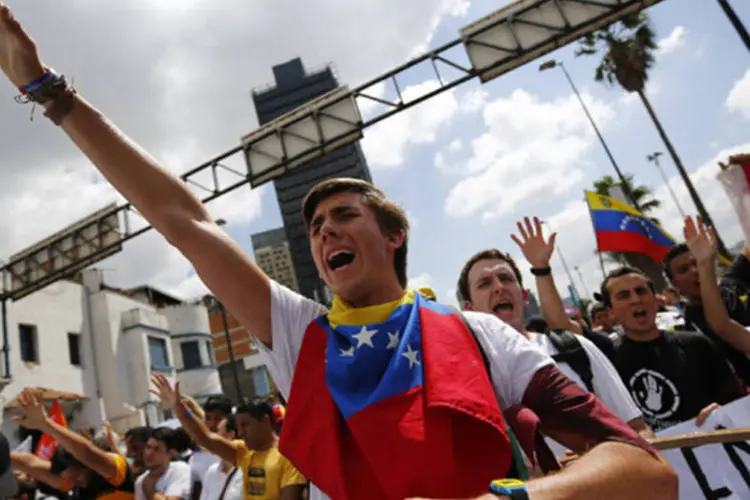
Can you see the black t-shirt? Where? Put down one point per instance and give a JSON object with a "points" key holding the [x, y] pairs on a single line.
{"points": [[735, 288], [672, 378], [602, 341]]}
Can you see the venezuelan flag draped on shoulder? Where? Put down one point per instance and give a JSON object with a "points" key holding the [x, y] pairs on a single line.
{"points": [[390, 401], [621, 228]]}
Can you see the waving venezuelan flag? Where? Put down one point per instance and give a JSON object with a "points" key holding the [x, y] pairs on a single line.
{"points": [[621, 228]]}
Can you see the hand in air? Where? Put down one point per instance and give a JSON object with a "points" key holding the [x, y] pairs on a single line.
{"points": [[701, 240], [739, 159], [33, 416], [532, 243], [19, 59], [168, 395]]}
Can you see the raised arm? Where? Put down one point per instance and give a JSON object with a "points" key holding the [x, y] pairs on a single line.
{"points": [[36, 468], [702, 242], [538, 252], [35, 417], [191, 422], [163, 199]]}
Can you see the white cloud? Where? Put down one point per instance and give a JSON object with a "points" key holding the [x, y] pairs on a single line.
{"points": [[45, 184], [575, 233], [739, 97], [423, 280], [449, 298], [673, 41], [386, 143], [531, 148], [474, 100], [446, 8]]}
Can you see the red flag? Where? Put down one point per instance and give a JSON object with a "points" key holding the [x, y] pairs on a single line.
{"points": [[47, 444]]}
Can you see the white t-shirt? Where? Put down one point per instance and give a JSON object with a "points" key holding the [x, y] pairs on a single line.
{"points": [[199, 463], [213, 482], [513, 360], [175, 482], [608, 385]]}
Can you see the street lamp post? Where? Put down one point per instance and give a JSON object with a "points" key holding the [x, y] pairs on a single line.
{"points": [[228, 337], [552, 63], [230, 351], [583, 282], [654, 158], [564, 263]]}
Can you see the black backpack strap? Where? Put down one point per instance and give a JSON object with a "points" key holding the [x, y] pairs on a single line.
{"points": [[570, 351], [485, 359]]}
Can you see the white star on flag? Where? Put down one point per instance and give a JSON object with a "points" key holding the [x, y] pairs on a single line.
{"points": [[411, 356], [392, 340], [347, 353], [364, 337]]}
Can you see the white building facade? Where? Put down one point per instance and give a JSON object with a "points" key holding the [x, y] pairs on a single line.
{"points": [[101, 344]]}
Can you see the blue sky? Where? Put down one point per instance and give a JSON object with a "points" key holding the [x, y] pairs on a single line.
{"points": [[465, 165], [688, 88]]}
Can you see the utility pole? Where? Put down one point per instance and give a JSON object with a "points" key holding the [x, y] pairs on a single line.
{"points": [[735, 20], [230, 350]]}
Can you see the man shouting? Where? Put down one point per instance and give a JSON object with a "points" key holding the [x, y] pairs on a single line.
{"points": [[389, 393]]}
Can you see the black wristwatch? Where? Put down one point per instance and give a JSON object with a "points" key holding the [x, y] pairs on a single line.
{"points": [[510, 488]]}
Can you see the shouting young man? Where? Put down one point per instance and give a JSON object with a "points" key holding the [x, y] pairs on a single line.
{"points": [[491, 282], [389, 395]]}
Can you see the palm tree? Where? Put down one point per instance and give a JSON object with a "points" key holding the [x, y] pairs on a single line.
{"points": [[645, 203], [628, 47]]}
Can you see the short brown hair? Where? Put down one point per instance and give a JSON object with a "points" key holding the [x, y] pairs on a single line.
{"points": [[391, 218], [490, 254]]}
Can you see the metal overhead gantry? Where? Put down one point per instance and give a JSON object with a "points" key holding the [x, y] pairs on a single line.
{"points": [[494, 45]]}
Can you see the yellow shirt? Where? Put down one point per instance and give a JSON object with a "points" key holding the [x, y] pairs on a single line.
{"points": [[265, 472]]}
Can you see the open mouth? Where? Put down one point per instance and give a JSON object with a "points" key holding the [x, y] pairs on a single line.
{"points": [[340, 259], [639, 314], [502, 307]]}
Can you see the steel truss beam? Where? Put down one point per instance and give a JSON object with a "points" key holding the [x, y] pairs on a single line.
{"points": [[554, 22]]}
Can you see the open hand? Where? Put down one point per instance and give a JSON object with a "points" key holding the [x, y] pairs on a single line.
{"points": [[701, 240], [535, 248], [19, 59], [168, 395], [33, 416]]}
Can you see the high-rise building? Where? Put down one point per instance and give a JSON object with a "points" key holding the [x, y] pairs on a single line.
{"points": [[272, 254], [294, 87]]}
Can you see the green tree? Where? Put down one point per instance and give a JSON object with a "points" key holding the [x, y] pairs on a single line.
{"points": [[627, 48], [646, 204]]}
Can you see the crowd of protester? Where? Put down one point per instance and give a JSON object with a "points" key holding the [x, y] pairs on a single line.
{"points": [[391, 394]]}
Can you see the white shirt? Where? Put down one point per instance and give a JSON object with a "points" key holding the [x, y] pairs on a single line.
{"points": [[608, 385], [199, 463], [513, 360], [175, 482], [213, 482]]}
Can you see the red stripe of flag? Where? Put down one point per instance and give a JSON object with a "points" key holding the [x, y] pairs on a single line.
{"points": [[625, 241]]}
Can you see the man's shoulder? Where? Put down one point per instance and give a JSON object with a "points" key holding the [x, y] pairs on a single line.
{"points": [[487, 323]]}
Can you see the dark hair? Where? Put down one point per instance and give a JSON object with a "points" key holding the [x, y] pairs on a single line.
{"points": [[671, 255], [596, 309], [230, 423], [671, 289], [62, 460], [622, 271], [257, 410], [492, 253], [220, 404], [391, 218], [170, 438], [139, 434]]}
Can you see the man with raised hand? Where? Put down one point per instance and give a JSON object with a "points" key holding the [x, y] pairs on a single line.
{"points": [[491, 282], [389, 395]]}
